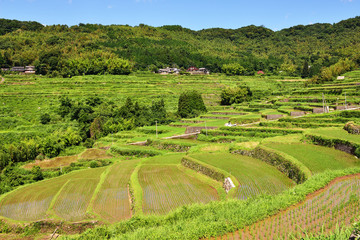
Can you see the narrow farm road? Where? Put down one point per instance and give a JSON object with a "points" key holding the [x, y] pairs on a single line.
{"points": [[2, 80]]}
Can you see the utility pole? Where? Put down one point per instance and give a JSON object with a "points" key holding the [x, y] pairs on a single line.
{"points": [[156, 129], [323, 100], [345, 102], [205, 128]]}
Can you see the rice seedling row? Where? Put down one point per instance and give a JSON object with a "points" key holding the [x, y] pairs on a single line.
{"points": [[337, 205], [165, 188], [255, 177], [112, 202]]}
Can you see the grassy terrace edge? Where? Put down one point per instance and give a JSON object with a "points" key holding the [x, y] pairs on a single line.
{"points": [[213, 219]]}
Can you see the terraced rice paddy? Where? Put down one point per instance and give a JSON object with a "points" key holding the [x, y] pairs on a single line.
{"points": [[166, 188], [336, 205], [317, 158], [255, 177], [336, 133], [32, 202], [75, 196], [112, 202]]}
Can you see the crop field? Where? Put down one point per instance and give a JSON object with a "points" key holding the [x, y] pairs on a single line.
{"points": [[32, 202], [255, 177], [166, 188], [317, 158], [336, 205], [337, 133], [112, 202]]}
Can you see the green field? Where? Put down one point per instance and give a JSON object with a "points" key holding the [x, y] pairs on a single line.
{"points": [[112, 202], [255, 177], [317, 158], [166, 188], [336, 133]]}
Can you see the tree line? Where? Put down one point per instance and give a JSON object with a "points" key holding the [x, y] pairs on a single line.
{"points": [[60, 50]]}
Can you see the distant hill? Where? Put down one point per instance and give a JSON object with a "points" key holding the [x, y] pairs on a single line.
{"points": [[83, 48]]}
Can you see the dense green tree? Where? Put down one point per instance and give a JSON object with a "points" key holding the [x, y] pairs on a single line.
{"points": [[235, 95], [190, 104]]}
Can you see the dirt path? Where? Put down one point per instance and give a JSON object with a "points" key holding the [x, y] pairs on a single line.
{"points": [[2, 80]]}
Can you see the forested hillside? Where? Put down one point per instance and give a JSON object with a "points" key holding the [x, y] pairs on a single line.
{"points": [[120, 49]]}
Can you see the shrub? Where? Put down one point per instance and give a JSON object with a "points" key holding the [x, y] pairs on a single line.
{"points": [[94, 164], [45, 118], [351, 128]]}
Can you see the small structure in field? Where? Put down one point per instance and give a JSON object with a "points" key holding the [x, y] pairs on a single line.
{"points": [[260, 72], [340, 78], [30, 70], [198, 71], [273, 116], [18, 69], [297, 113], [228, 184], [165, 71]]}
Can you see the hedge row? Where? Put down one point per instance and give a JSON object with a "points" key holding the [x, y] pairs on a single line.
{"points": [[298, 124], [171, 146], [350, 114], [266, 130], [239, 120], [339, 144], [134, 152], [315, 120], [244, 134], [208, 170], [287, 164]]}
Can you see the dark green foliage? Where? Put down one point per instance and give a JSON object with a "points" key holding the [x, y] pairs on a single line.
{"points": [[95, 49], [190, 104], [172, 146], [7, 26], [305, 70], [134, 152], [36, 171], [235, 95], [94, 164], [45, 118], [233, 69], [350, 114]]}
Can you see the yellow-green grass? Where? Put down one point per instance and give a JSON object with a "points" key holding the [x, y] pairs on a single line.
{"points": [[94, 153], [52, 163], [255, 176], [112, 202], [317, 158], [291, 138], [335, 133], [172, 158], [72, 202], [166, 188]]}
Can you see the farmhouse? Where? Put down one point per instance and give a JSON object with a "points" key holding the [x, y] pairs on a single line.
{"points": [[30, 70], [195, 70], [168, 70]]}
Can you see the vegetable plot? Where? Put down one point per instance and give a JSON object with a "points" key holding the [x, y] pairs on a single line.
{"points": [[112, 202], [165, 188]]}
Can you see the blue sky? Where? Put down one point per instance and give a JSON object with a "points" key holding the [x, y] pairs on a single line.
{"points": [[194, 14]]}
